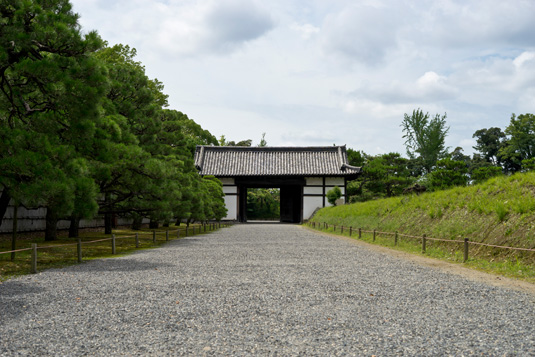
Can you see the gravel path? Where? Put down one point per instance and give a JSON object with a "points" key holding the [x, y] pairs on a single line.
{"points": [[261, 290]]}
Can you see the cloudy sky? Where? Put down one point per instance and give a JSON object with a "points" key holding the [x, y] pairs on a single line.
{"points": [[323, 72]]}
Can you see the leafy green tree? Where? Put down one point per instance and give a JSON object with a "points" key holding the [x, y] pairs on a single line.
{"points": [[217, 197], [131, 165], [448, 173], [263, 203], [385, 175], [528, 164], [356, 158], [51, 88], [521, 139], [425, 137], [489, 142], [223, 142], [333, 195], [482, 174]]}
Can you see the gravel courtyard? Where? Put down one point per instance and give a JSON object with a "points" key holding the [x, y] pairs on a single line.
{"points": [[256, 289]]}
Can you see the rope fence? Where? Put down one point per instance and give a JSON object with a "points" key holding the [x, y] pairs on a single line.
{"points": [[188, 231], [466, 242]]}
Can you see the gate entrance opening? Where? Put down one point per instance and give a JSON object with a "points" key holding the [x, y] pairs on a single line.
{"points": [[263, 204], [290, 192]]}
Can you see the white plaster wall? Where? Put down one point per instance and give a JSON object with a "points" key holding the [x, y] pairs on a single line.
{"points": [[314, 180], [334, 181], [227, 180], [310, 204], [230, 189], [231, 202], [313, 190]]}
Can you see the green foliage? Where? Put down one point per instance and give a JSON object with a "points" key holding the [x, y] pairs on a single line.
{"points": [[521, 140], [51, 90], [448, 173], [425, 138], [386, 175], [356, 158], [489, 142], [83, 129], [482, 174], [333, 195], [263, 142], [263, 203]]}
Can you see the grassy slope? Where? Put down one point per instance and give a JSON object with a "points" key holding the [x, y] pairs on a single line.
{"points": [[500, 212]]}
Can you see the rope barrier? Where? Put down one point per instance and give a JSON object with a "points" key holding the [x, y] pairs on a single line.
{"points": [[56, 246], [15, 251], [439, 239], [501, 246], [96, 241]]}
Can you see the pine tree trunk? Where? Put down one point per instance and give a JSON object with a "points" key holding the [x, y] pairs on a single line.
{"points": [[51, 228], [107, 215], [107, 223], [153, 224], [178, 221], [4, 203], [137, 222], [74, 228], [14, 231]]}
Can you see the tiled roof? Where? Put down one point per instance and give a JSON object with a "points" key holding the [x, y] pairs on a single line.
{"points": [[231, 161]]}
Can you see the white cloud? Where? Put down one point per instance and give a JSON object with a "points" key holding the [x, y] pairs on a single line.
{"points": [[343, 71], [364, 32], [524, 59], [306, 30], [186, 28]]}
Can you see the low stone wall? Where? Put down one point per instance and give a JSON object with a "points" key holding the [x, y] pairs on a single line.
{"points": [[34, 220]]}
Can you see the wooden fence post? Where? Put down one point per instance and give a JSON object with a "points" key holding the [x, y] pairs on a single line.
{"points": [[79, 250], [34, 259], [360, 233], [423, 243], [342, 229], [350, 231], [396, 238], [153, 236], [465, 250], [113, 244], [374, 235], [167, 235]]}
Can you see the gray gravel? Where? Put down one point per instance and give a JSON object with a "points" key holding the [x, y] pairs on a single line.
{"points": [[261, 290]]}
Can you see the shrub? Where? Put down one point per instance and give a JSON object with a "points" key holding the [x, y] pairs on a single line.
{"points": [[334, 194]]}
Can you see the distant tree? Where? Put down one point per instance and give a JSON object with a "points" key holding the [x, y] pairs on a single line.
{"points": [[521, 139], [223, 142], [448, 173], [263, 203], [356, 158], [482, 174], [425, 137], [489, 142], [384, 175], [263, 141]]}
